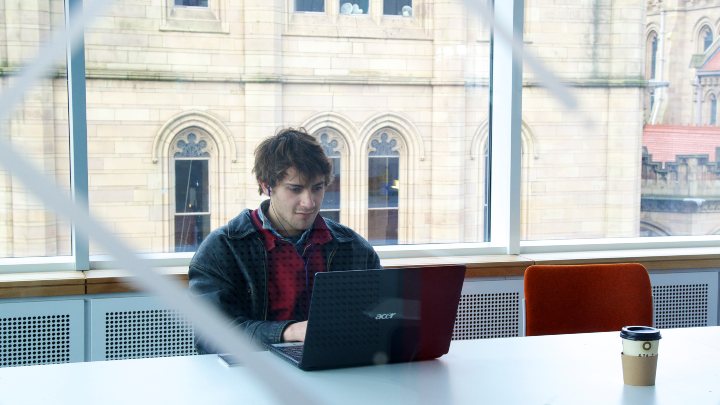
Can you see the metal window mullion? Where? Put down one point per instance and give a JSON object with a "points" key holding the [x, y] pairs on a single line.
{"points": [[78, 131], [506, 121]]}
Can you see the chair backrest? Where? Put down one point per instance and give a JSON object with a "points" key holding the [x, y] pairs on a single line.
{"points": [[586, 298]]}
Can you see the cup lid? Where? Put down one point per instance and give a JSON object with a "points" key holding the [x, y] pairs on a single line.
{"points": [[640, 333]]}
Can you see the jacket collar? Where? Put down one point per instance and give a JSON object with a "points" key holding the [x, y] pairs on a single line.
{"points": [[318, 234], [242, 227]]}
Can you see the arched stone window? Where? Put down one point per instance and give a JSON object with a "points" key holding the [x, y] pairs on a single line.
{"points": [[383, 188], [705, 38], [652, 55], [190, 171], [712, 109], [477, 225], [195, 154], [330, 141]]}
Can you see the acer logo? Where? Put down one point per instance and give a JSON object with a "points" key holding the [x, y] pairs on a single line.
{"points": [[388, 315]]}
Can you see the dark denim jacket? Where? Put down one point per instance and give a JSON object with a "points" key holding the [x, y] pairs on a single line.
{"points": [[229, 270]]}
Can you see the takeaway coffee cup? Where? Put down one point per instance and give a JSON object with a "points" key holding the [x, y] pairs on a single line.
{"points": [[640, 354]]}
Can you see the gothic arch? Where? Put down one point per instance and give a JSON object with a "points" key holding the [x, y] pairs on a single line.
{"points": [[214, 128], [650, 28], [223, 154], [341, 124], [651, 55], [651, 228], [479, 140], [700, 25], [407, 131], [412, 152], [529, 149]]}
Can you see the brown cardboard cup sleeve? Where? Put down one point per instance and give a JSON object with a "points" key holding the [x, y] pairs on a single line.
{"points": [[639, 370]]}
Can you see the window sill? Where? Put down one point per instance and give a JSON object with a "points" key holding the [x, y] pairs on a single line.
{"points": [[42, 284], [107, 281], [120, 281]]}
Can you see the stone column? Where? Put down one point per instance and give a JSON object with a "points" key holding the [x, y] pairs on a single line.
{"points": [[446, 152], [262, 77]]}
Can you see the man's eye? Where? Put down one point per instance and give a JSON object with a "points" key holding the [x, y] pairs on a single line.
{"points": [[318, 188], [296, 189]]}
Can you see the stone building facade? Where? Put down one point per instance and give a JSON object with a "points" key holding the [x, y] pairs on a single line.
{"points": [[400, 96], [681, 38], [680, 190]]}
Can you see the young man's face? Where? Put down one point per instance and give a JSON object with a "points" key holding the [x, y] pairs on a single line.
{"points": [[295, 202]]}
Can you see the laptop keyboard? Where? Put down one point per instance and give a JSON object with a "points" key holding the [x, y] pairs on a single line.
{"points": [[294, 352]]}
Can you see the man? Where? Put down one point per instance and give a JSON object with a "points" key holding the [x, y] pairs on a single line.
{"points": [[259, 268]]}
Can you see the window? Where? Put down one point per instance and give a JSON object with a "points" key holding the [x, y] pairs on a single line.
{"points": [[398, 7], [383, 190], [679, 144], [652, 100], [196, 66], [653, 49], [182, 16], [192, 3], [192, 211], [317, 6], [331, 203], [573, 191], [354, 7], [651, 74], [707, 37]]}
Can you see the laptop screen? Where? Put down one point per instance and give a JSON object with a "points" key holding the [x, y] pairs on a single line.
{"points": [[381, 316]]}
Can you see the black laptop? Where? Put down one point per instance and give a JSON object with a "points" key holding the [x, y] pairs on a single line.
{"points": [[367, 317]]}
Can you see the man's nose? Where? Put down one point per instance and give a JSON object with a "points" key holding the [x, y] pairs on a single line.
{"points": [[307, 200]]}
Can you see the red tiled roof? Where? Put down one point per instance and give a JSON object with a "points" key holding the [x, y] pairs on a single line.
{"points": [[713, 65], [664, 142]]}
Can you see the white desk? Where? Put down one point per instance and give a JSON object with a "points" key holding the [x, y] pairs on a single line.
{"points": [[566, 369]]}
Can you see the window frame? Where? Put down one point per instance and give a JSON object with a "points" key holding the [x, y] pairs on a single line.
{"points": [[705, 32], [388, 208], [712, 109], [506, 82], [294, 9], [211, 18], [384, 3], [185, 5], [207, 196]]}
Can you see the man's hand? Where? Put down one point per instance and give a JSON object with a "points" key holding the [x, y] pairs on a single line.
{"points": [[295, 332]]}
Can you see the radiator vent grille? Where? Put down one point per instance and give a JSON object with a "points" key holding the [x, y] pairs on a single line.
{"points": [[41, 332], [147, 333], [681, 305], [33, 340], [487, 315]]}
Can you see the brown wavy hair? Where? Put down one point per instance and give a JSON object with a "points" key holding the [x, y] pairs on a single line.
{"points": [[290, 148]]}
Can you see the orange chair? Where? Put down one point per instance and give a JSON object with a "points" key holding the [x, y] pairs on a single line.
{"points": [[586, 298]]}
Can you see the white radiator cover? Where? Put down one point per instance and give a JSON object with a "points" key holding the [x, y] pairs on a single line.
{"points": [[489, 309], [41, 332], [136, 327], [685, 299]]}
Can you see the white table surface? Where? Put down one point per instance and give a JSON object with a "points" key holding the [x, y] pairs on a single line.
{"points": [[563, 369]]}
